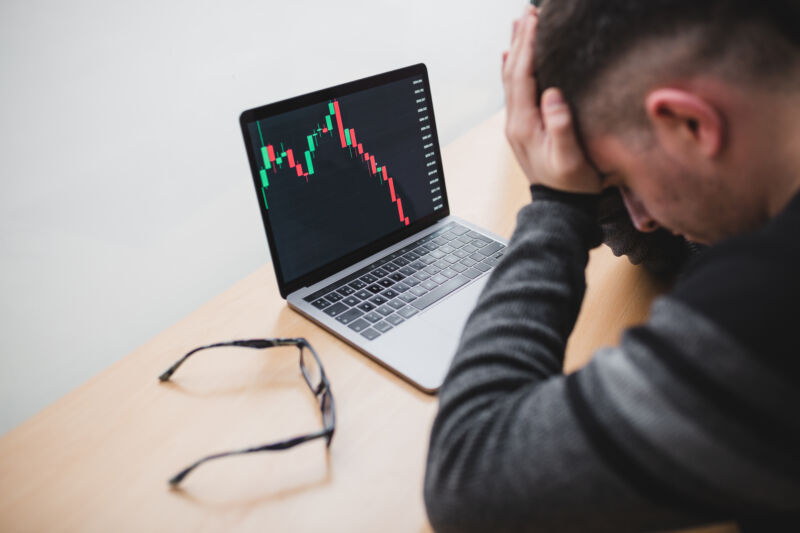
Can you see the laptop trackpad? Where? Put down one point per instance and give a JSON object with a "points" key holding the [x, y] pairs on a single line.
{"points": [[448, 319]]}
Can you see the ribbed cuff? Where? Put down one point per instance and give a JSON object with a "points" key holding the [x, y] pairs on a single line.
{"points": [[585, 202]]}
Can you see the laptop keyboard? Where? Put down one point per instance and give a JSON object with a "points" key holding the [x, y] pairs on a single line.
{"points": [[398, 286]]}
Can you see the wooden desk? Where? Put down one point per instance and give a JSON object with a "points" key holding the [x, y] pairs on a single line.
{"points": [[99, 458]]}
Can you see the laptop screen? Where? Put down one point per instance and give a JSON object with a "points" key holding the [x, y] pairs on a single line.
{"points": [[345, 168]]}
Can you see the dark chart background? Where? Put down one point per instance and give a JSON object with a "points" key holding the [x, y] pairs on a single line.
{"points": [[343, 206]]}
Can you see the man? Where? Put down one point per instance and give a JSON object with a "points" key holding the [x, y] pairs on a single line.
{"points": [[691, 109]]}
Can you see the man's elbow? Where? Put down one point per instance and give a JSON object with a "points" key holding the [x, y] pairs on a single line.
{"points": [[443, 494], [439, 502]]}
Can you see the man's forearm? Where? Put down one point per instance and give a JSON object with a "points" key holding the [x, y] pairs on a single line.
{"points": [[512, 343]]}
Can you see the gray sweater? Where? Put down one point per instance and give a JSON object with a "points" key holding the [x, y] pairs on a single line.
{"points": [[683, 423]]}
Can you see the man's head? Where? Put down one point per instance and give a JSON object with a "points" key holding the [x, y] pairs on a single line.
{"points": [[689, 106]]}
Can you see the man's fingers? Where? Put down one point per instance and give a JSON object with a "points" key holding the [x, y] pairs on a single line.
{"points": [[558, 124], [523, 48]]}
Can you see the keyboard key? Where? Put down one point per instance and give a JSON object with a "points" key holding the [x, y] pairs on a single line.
{"points": [[395, 319], [491, 261], [322, 303], [375, 288], [438, 293], [458, 267], [366, 306], [401, 287], [411, 281], [483, 267], [373, 317], [390, 267], [357, 284], [418, 291], [477, 256], [351, 301], [397, 303], [407, 271], [456, 244], [336, 309], [370, 334], [429, 246], [386, 282], [432, 270], [369, 278], [427, 260], [379, 300], [385, 310], [491, 248], [438, 279], [468, 261], [379, 273], [461, 254], [346, 290], [333, 297], [359, 325], [449, 235], [449, 273], [441, 264], [421, 251], [364, 295], [407, 311], [412, 256], [422, 275], [451, 258], [472, 273], [474, 234], [389, 294], [465, 239], [458, 229], [382, 326], [428, 284], [438, 254], [408, 297], [417, 265], [397, 276], [401, 262], [477, 243], [447, 249], [440, 241], [470, 249], [349, 316]]}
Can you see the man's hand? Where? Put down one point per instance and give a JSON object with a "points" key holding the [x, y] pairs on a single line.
{"points": [[543, 141]]}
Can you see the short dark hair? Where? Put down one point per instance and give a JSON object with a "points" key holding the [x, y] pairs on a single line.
{"points": [[578, 41]]}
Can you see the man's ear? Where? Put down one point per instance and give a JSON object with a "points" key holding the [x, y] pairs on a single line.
{"points": [[686, 124]]}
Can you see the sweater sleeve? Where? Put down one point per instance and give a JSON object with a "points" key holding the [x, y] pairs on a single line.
{"points": [[518, 446]]}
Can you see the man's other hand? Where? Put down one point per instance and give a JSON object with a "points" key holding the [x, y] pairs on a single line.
{"points": [[543, 140]]}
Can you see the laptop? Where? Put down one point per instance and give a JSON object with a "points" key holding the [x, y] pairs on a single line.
{"points": [[351, 189]]}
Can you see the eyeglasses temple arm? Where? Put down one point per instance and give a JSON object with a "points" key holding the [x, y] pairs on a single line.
{"points": [[282, 445], [252, 343]]}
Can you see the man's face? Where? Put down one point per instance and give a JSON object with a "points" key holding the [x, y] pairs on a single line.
{"points": [[662, 190]]}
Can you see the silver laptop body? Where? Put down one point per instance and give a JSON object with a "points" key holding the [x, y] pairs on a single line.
{"points": [[352, 195]]}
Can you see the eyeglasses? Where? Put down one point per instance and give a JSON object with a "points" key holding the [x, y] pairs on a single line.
{"points": [[315, 378]]}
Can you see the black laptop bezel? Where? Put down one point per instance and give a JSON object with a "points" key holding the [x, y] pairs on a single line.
{"points": [[324, 95]]}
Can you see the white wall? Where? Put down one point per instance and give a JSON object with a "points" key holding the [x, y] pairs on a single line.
{"points": [[126, 196]]}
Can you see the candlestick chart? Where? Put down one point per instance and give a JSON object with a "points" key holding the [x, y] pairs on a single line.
{"points": [[339, 174], [347, 138]]}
